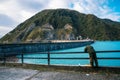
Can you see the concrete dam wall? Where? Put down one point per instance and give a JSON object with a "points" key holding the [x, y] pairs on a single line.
{"points": [[15, 49]]}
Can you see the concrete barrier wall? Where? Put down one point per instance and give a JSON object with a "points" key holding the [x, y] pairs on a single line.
{"points": [[14, 49]]}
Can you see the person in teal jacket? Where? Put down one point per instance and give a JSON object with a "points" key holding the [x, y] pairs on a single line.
{"points": [[93, 58]]}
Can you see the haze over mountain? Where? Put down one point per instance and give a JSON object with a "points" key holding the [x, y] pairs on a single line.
{"points": [[63, 24]]}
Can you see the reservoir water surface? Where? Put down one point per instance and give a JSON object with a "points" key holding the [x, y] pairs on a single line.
{"points": [[98, 46]]}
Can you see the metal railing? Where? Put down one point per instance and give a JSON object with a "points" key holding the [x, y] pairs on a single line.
{"points": [[49, 58]]}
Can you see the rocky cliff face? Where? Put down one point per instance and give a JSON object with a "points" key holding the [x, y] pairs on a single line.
{"points": [[45, 32]]}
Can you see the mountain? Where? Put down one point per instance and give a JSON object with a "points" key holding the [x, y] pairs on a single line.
{"points": [[63, 24]]}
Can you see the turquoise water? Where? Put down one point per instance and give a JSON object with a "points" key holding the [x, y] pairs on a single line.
{"points": [[98, 46]]}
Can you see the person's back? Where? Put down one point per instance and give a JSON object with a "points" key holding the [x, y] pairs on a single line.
{"points": [[89, 49]]}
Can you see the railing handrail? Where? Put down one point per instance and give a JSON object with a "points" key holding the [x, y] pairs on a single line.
{"points": [[69, 58], [81, 52], [48, 57]]}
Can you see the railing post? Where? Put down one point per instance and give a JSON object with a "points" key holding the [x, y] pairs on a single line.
{"points": [[49, 52], [22, 58], [4, 55], [48, 57], [22, 54], [4, 58]]}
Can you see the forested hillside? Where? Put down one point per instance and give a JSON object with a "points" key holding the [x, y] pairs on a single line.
{"points": [[63, 24]]}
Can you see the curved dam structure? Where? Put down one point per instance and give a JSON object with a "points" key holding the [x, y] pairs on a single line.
{"points": [[18, 48]]}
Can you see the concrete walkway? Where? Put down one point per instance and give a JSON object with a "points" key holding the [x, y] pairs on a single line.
{"points": [[28, 74]]}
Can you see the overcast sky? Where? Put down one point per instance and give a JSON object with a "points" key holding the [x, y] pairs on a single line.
{"points": [[13, 12]]}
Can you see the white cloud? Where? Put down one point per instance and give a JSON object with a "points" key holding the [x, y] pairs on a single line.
{"points": [[15, 12], [53, 4], [25, 14], [10, 8], [112, 16], [96, 7], [4, 30]]}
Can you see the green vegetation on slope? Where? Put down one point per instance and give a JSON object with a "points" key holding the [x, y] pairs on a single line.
{"points": [[84, 25]]}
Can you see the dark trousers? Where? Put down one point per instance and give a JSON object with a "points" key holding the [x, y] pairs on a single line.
{"points": [[93, 61]]}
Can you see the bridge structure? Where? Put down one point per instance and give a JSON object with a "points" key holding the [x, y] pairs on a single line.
{"points": [[18, 48]]}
